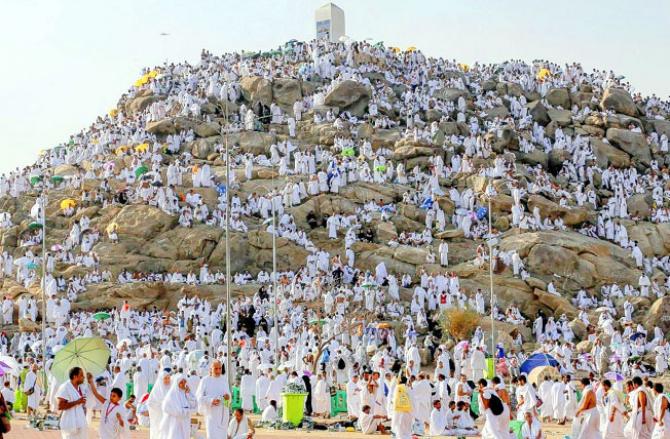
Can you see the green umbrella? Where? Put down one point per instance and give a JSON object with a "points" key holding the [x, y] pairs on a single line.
{"points": [[89, 353], [348, 152], [141, 170], [101, 316], [35, 179], [57, 179], [35, 225], [317, 322]]}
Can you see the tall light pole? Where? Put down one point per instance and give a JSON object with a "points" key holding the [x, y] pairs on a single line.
{"points": [[491, 242], [274, 275], [44, 275], [229, 329]]}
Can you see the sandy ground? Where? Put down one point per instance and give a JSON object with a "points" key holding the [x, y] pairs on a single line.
{"points": [[20, 430]]}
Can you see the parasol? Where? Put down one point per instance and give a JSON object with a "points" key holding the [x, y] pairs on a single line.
{"points": [[614, 376], [98, 316], [68, 203], [89, 353], [141, 170]]}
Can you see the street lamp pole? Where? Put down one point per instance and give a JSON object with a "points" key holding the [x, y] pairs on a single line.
{"points": [[229, 329], [493, 346], [44, 275], [274, 276]]}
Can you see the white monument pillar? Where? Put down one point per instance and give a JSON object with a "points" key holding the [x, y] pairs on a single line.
{"points": [[329, 22]]}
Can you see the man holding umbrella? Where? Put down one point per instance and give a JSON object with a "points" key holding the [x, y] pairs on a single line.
{"points": [[71, 403]]}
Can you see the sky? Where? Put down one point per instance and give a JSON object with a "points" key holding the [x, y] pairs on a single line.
{"points": [[64, 62]]}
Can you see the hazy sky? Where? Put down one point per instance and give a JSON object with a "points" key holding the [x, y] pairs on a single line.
{"points": [[63, 62]]}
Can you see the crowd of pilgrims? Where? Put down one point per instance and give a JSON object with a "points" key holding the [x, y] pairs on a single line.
{"points": [[379, 367]]}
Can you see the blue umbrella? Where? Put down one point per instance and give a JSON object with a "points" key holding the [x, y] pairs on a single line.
{"points": [[481, 213], [427, 203], [537, 360], [221, 189], [637, 335]]}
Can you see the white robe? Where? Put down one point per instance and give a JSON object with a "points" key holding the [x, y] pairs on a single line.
{"points": [[216, 417], [177, 408]]}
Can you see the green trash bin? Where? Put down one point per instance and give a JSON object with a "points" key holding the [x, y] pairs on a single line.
{"points": [[294, 407], [490, 368]]}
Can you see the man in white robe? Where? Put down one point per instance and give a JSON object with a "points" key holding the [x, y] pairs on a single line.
{"points": [[211, 393]]}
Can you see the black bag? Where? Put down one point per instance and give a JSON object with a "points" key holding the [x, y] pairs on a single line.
{"points": [[341, 365]]}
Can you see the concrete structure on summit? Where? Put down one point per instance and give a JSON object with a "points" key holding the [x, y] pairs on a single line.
{"points": [[329, 20]]}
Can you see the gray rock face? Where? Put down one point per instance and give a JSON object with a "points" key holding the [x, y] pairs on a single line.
{"points": [[256, 89], [634, 144], [559, 97], [351, 96], [285, 92], [618, 100]]}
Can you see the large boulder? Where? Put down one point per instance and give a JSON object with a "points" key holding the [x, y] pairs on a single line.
{"points": [[638, 206], [256, 89], [161, 127], [633, 143], [661, 126], [410, 255], [659, 315], [285, 92], [143, 221], [539, 112], [619, 101], [571, 215], [452, 94], [140, 103], [558, 97], [207, 129], [583, 262], [607, 155], [202, 148], [351, 96]]}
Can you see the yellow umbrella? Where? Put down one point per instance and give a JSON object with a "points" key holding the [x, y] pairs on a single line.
{"points": [[142, 147], [464, 67], [68, 203], [121, 150], [152, 74], [395, 49], [411, 49], [543, 74], [113, 112]]}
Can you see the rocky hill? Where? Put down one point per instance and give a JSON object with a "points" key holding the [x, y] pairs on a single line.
{"points": [[552, 129]]}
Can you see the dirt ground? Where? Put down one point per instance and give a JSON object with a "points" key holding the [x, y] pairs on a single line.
{"points": [[20, 430]]}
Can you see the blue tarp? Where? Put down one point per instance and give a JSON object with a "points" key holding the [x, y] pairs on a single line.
{"points": [[537, 360]]}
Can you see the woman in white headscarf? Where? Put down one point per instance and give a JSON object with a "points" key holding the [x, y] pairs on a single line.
{"points": [[155, 403], [178, 405]]}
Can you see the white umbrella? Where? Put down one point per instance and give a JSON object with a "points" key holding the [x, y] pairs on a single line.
{"points": [[11, 363]]}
